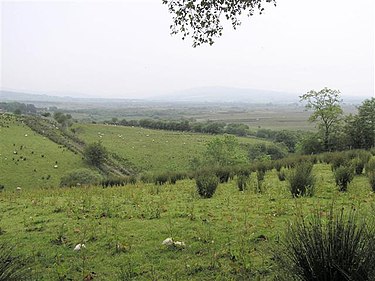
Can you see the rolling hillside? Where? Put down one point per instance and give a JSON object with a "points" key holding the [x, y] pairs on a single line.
{"points": [[28, 159]]}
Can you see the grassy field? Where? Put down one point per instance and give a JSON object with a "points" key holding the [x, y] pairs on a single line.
{"points": [[30, 160], [231, 236], [150, 150]]}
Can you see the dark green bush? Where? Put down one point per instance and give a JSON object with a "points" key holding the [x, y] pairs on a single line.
{"points": [[301, 180], [80, 177], [95, 154], [13, 267], [242, 182], [206, 184], [358, 165], [161, 179], [338, 247], [223, 174], [343, 176], [370, 172], [281, 175]]}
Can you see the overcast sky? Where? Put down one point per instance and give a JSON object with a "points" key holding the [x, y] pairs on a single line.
{"points": [[124, 49]]}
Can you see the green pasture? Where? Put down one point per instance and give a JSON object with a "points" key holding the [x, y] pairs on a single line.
{"points": [[231, 236], [29, 160], [150, 150]]}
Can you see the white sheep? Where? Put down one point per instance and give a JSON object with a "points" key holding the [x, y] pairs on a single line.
{"points": [[78, 247], [168, 242]]}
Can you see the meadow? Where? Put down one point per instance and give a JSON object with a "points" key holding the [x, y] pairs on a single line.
{"points": [[148, 150], [232, 236], [235, 235], [29, 160]]}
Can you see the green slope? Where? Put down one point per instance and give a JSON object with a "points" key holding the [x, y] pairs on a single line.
{"points": [[150, 150], [27, 159]]}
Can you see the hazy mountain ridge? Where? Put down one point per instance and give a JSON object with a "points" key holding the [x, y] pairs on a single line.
{"points": [[193, 95]]}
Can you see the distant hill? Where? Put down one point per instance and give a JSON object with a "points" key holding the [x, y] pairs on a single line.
{"points": [[193, 95], [229, 94]]}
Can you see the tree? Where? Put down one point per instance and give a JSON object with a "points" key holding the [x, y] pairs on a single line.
{"points": [[95, 153], [201, 19], [65, 120], [224, 152], [361, 127], [327, 112]]}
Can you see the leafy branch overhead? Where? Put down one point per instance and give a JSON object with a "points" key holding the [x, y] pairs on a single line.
{"points": [[202, 19]]}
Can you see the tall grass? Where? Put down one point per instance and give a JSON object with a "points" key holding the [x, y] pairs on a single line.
{"points": [[12, 266], [301, 180], [338, 247]]}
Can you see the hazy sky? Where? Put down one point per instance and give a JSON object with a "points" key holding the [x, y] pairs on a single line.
{"points": [[124, 49]]}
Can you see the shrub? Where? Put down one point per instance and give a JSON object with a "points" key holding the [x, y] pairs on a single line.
{"points": [[343, 176], [358, 165], [337, 248], [161, 179], [370, 171], [95, 154], [242, 182], [223, 174], [80, 177], [302, 180], [2, 187], [206, 185], [281, 175], [12, 267]]}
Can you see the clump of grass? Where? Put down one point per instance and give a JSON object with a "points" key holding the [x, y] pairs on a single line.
{"points": [[206, 185], [358, 165], [281, 175], [12, 266], [339, 247], [343, 176], [301, 180], [242, 182]]}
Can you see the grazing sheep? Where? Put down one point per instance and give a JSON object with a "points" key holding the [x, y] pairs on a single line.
{"points": [[18, 188], [168, 242], [78, 247]]}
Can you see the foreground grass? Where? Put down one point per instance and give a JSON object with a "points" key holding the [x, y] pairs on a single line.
{"points": [[228, 237]]}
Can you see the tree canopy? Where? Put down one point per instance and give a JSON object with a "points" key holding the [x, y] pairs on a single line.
{"points": [[202, 19], [327, 111]]}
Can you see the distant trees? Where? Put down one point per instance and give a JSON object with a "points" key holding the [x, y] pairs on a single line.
{"points": [[327, 112], [18, 108], [65, 120], [360, 128]]}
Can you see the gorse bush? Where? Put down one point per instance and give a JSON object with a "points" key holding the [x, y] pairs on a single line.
{"points": [[301, 180], [206, 184], [13, 267], [81, 177], [343, 176], [338, 247]]}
